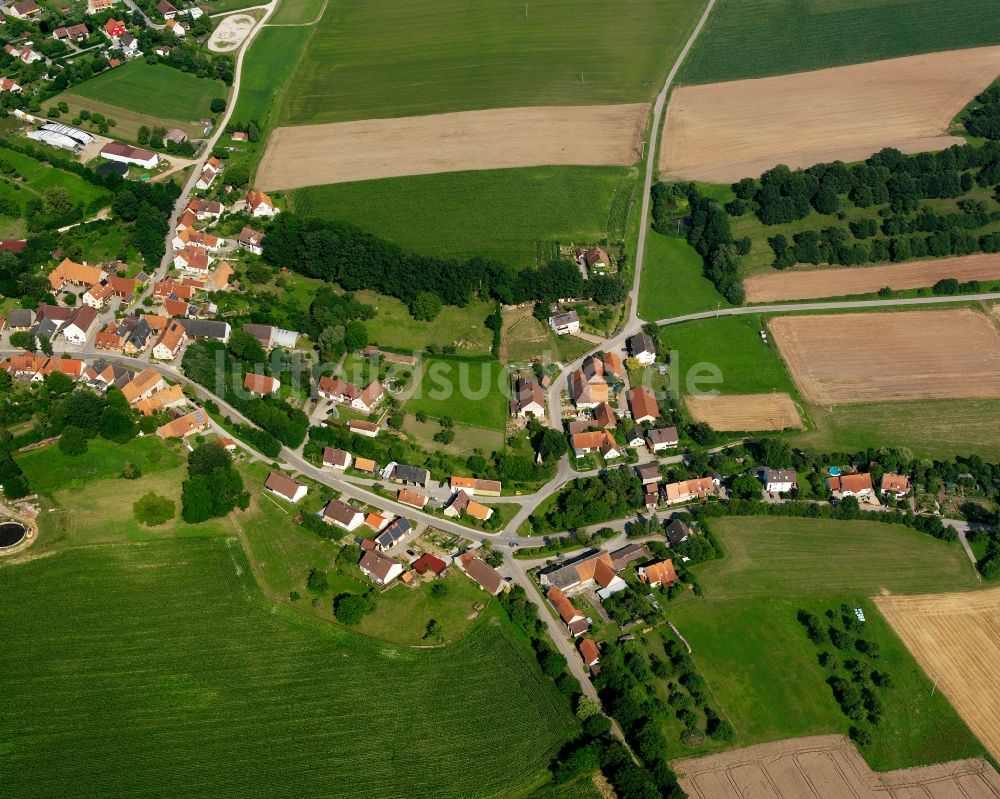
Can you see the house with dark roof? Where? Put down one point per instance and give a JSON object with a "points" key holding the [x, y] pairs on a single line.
{"points": [[380, 569], [345, 516], [485, 575], [661, 438], [641, 347], [565, 323], [392, 534], [409, 475], [676, 532], [623, 557], [777, 481], [336, 458], [649, 473], [207, 328], [528, 400]]}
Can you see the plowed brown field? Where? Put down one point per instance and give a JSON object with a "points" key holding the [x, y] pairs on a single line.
{"points": [[737, 412], [827, 767], [838, 359], [956, 639], [722, 132], [776, 286], [593, 135]]}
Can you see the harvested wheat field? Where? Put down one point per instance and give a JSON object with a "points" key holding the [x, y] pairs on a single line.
{"points": [[738, 412], [726, 131], [824, 767], [592, 135], [839, 359], [776, 286], [956, 639]]}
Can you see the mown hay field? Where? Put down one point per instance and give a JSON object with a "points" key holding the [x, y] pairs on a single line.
{"points": [[167, 673], [956, 638], [839, 359], [500, 138], [516, 216], [473, 392], [400, 58], [722, 132], [737, 412], [815, 283], [756, 38]]}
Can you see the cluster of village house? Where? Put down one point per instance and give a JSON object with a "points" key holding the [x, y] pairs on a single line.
{"points": [[181, 315], [120, 41], [596, 576], [384, 532]]}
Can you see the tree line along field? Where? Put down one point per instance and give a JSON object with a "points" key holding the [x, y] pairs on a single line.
{"points": [[173, 675], [760, 666], [403, 57], [758, 38], [510, 215]]}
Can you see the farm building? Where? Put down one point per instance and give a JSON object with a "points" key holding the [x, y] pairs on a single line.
{"points": [[126, 154]]}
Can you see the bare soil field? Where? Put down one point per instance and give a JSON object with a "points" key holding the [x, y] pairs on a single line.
{"points": [[827, 766], [231, 32], [806, 285], [738, 412], [839, 359], [310, 155], [956, 639], [722, 132]]}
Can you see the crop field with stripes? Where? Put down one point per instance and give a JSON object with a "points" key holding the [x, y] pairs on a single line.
{"points": [[158, 669]]}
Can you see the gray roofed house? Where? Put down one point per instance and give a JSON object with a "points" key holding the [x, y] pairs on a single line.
{"points": [[139, 337], [676, 532], [392, 534], [563, 323], [627, 554], [661, 438], [649, 472], [641, 347], [263, 333], [206, 328], [20, 319], [414, 475]]}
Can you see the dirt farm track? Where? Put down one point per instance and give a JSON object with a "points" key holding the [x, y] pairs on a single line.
{"points": [[816, 283], [837, 359], [956, 639], [827, 767], [722, 132], [737, 412], [311, 155]]}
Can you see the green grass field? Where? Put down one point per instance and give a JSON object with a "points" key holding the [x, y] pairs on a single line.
{"points": [[755, 38], [672, 280], [296, 12], [788, 557], [267, 66], [48, 470], [153, 90], [173, 676], [930, 428], [462, 328], [510, 215], [39, 176], [762, 670], [733, 344], [404, 57], [470, 392]]}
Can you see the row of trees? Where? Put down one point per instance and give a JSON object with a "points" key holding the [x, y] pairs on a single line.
{"points": [[343, 254], [707, 230]]}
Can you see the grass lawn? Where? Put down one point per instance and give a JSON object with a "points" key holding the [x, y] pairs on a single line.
{"points": [[510, 215], [817, 557], [221, 6], [127, 122], [48, 470], [39, 176], [930, 428], [462, 328], [672, 280], [582, 788], [470, 392], [154, 89], [467, 437], [762, 670], [402, 613], [754, 38], [173, 671], [404, 57], [525, 338], [733, 345]]}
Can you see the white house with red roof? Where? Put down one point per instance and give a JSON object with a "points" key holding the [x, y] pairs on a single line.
{"points": [[260, 204]]}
